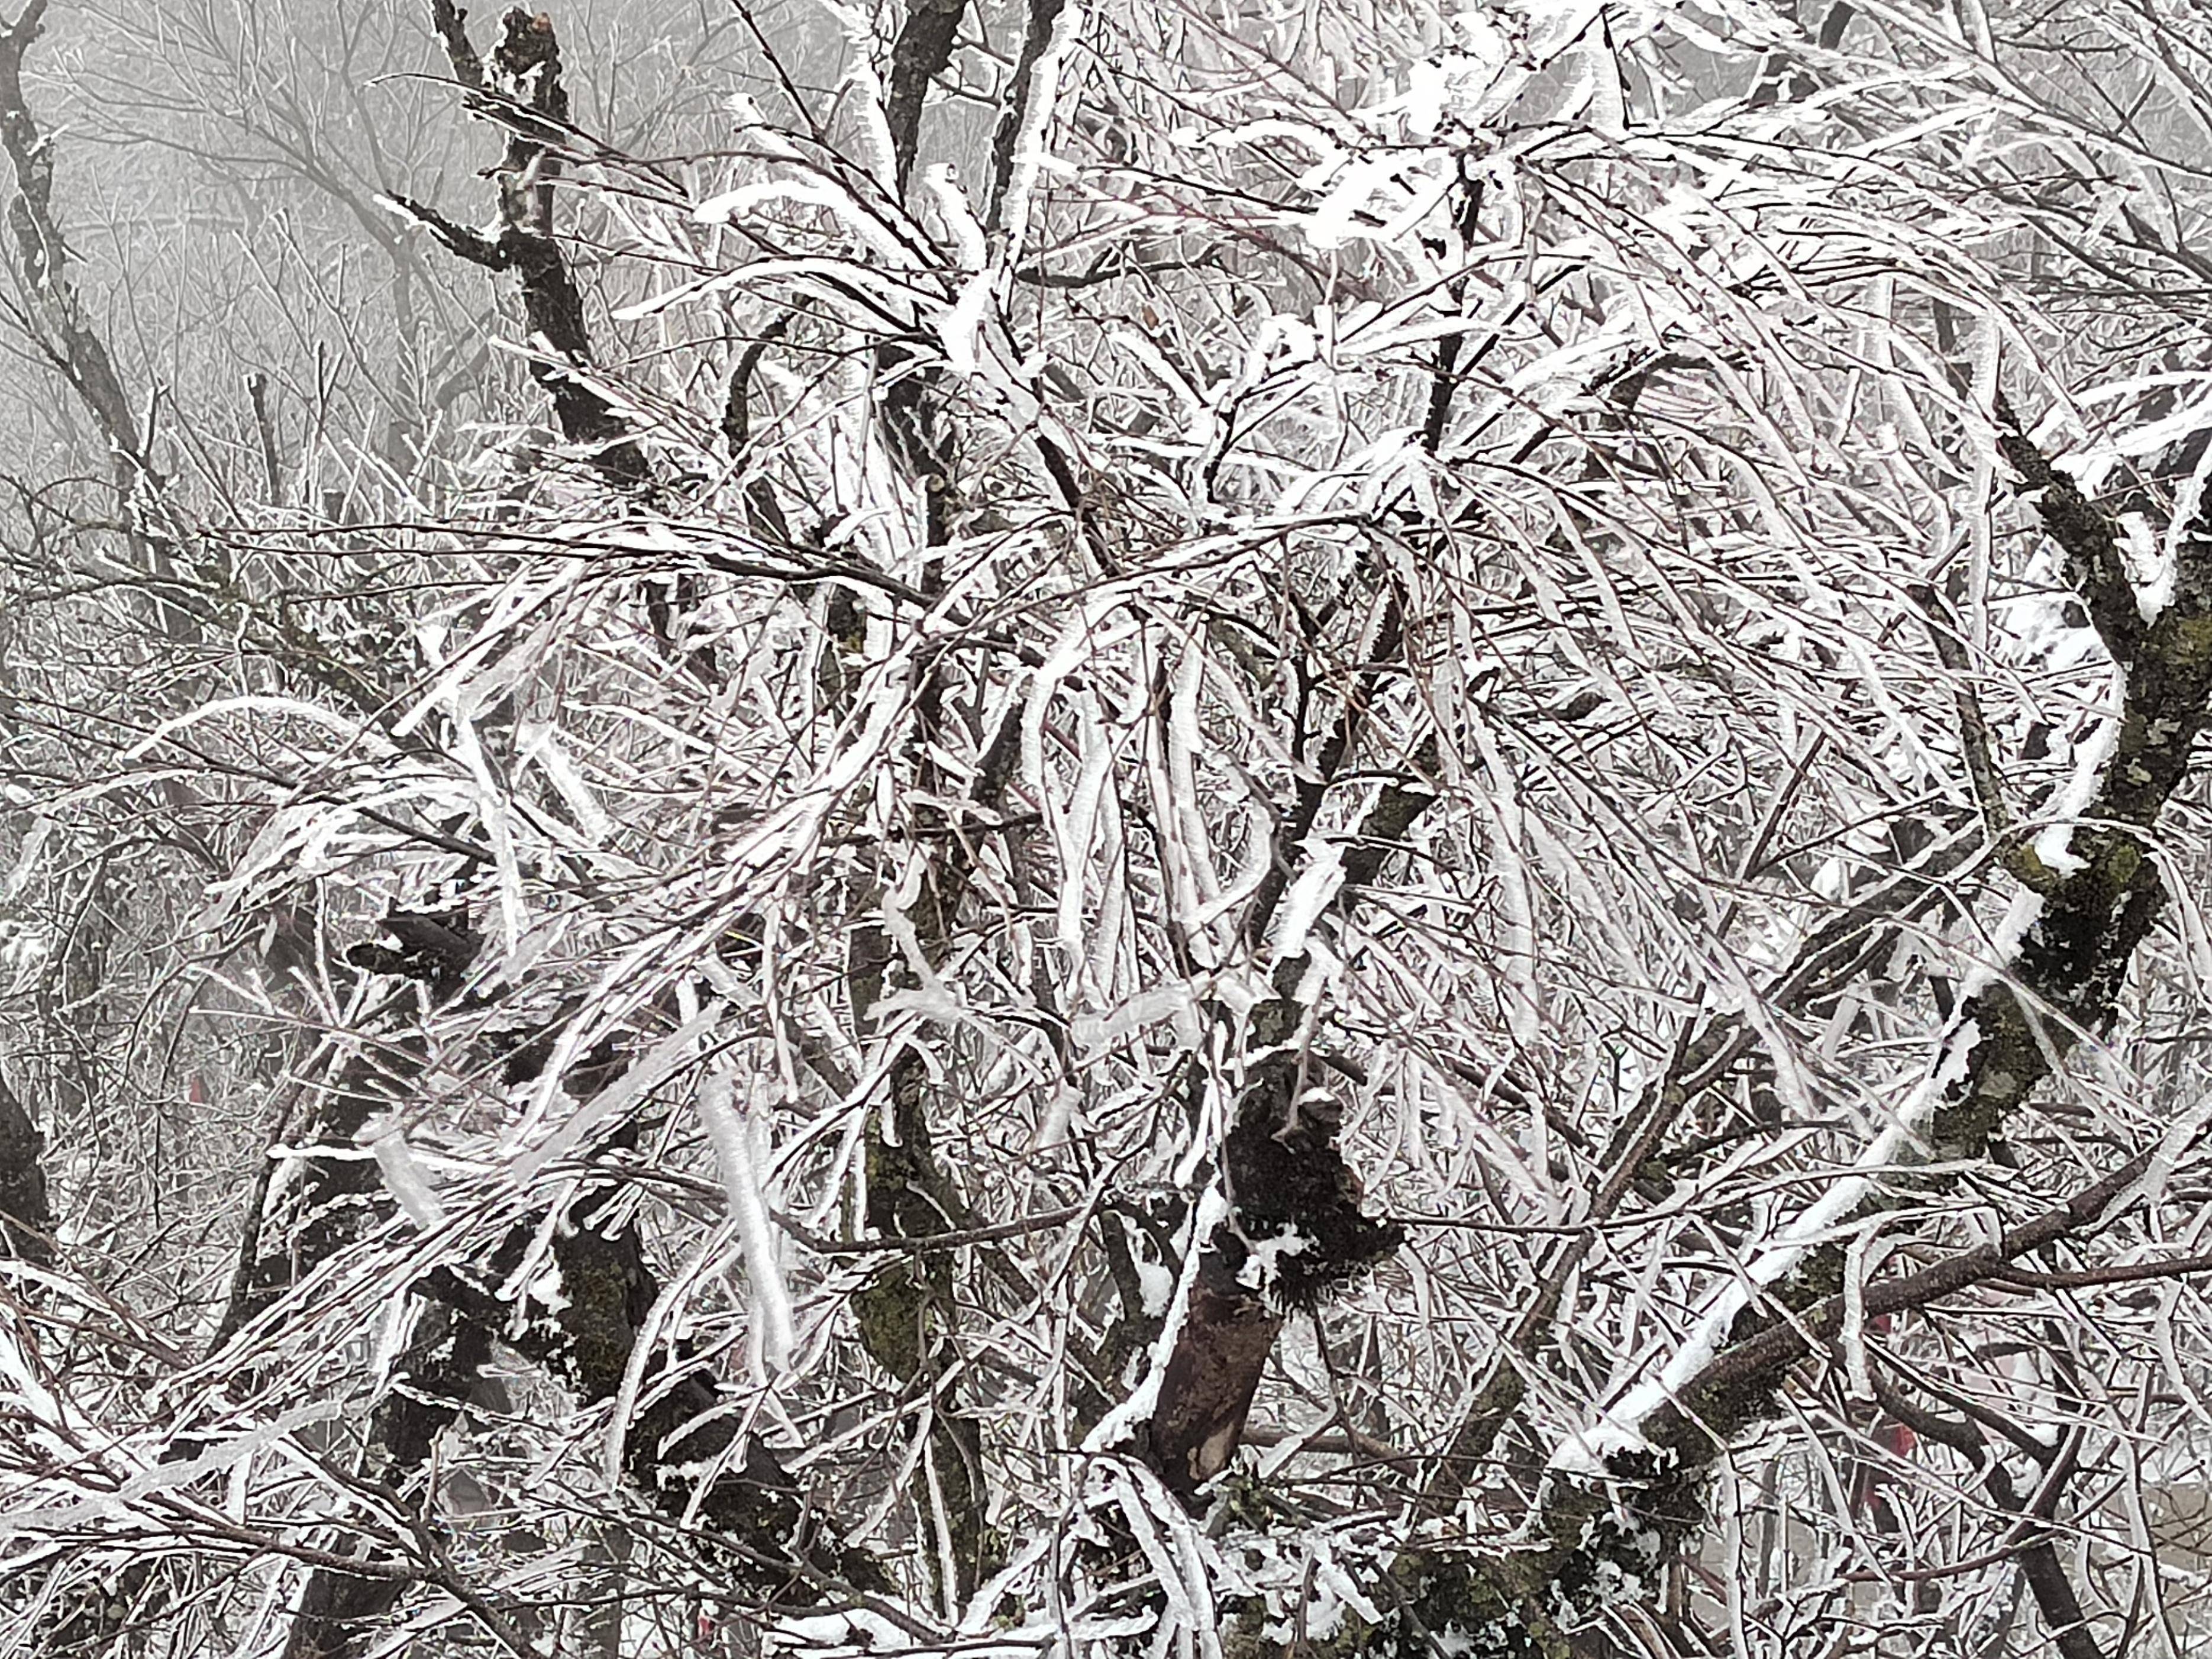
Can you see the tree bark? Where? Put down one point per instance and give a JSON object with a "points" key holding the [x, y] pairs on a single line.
{"points": [[521, 90]]}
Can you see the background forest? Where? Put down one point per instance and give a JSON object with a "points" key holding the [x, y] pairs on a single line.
{"points": [[1230, 829]]}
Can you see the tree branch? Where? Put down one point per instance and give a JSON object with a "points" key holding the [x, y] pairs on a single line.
{"points": [[919, 56], [521, 91]]}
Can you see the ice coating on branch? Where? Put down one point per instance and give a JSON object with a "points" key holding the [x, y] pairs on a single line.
{"points": [[734, 204], [386, 1139], [1321, 874], [2053, 842], [665, 1057], [539, 742], [153, 1476], [735, 1150], [1029, 155]]}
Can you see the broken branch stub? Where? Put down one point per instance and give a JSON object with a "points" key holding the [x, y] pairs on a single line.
{"points": [[1295, 1233]]}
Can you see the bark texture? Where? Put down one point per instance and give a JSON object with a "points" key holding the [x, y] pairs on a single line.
{"points": [[520, 90], [27, 1225]]}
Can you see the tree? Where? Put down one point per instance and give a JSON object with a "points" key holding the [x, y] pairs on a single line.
{"points": [[1376, 834]]}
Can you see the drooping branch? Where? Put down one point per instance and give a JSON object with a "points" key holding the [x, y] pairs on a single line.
{"points": [[1314, 782], [1829, 958], [2064, 981], [2090, 916], [1595, 1536], [1725, 1394], [677, 1447]]}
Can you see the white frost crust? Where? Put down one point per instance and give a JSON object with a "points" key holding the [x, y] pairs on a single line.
{"points": [[1315, 889], [1183, 1564], [864, 87], [149, 1475], [734, 1150], [1159, 1286], [2156, 593], [2053, 842], [665, 1057], [732, 205], [1621, 1429], [2152, 561], [387, 1139], [1263, 1268], [853, 1630]]}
